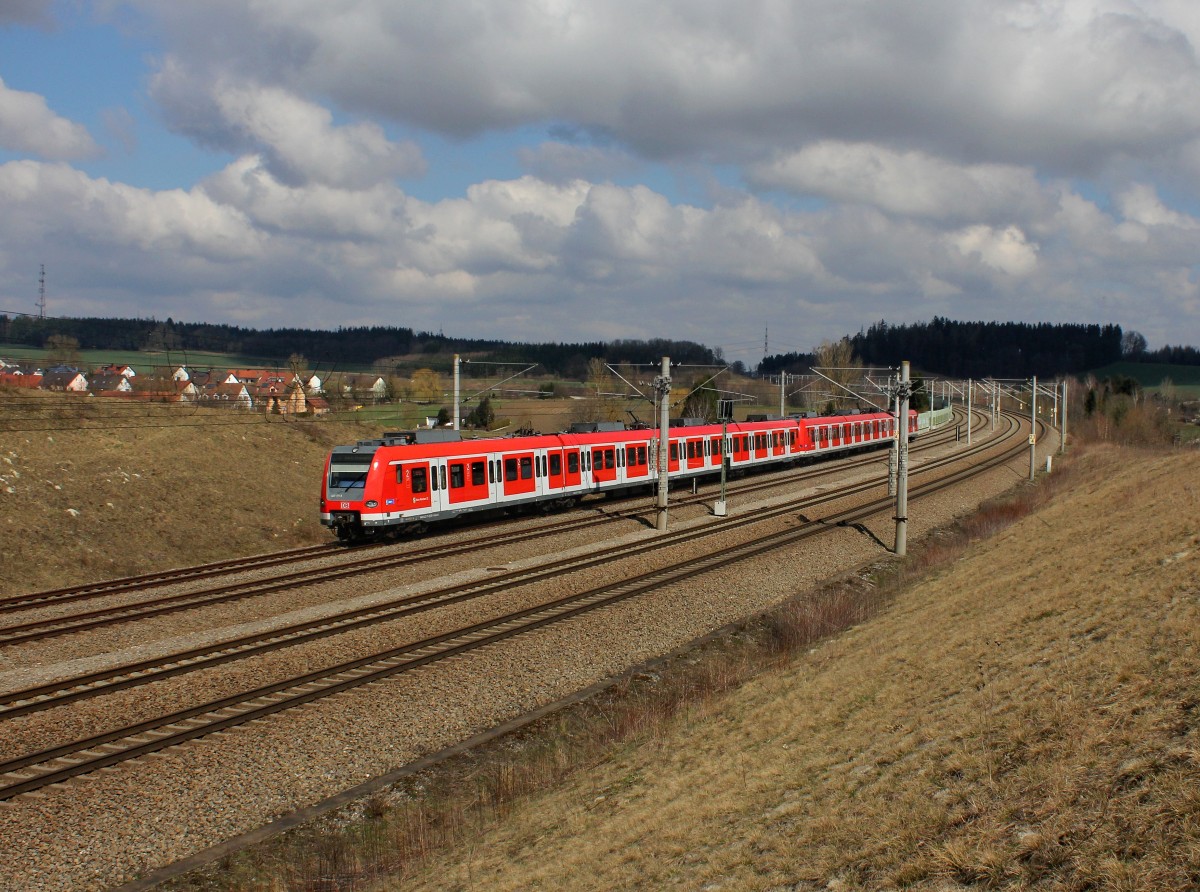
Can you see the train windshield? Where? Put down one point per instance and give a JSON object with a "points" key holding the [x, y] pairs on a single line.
{"points": [[348, 475]]}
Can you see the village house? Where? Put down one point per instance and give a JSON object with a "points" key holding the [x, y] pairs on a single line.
{"points": [[123, 370], [110, 383], [65, 380], [293, 402], [363, 386], [235, 395]]}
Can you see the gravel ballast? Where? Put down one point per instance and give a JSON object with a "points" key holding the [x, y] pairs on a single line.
{"points": [[111, 826]]}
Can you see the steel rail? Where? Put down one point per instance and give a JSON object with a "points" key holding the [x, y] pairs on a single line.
{"points": [[36, 630], [128, 675], [59, 764]]}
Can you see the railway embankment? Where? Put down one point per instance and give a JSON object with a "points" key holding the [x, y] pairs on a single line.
{"points": [[1027, 716]]}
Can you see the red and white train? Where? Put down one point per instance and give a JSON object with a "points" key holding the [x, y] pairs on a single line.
{"points": [[406, 480]]}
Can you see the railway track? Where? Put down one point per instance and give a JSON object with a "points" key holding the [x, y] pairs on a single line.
{"points": [[55, 765], [41, 697], [148, 581], [35, 630]]}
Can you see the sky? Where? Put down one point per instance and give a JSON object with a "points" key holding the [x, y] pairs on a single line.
{"points": [[553, 170]]}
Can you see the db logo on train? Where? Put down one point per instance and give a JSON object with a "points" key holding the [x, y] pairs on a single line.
{"points": [[345, 504]]}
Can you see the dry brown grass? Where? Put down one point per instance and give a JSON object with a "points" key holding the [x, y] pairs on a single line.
{"points": [[89, 491], [1014, 706], [1026, 717]]}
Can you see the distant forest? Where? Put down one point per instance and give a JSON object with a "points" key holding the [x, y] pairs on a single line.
{"points": [[942, 346], [344, 348], [997, 349]]}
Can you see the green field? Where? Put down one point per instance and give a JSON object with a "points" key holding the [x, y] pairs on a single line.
{"points": [[1185, 378]]}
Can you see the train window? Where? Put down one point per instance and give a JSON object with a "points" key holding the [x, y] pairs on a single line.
{"points": [[346, 475], [526, 468], [572, 462], [420, 480], [492, 471], [477, 476], [510, 469], [400, 473], [791, 438], [556, 464], [674, 452], [458, 477], [433, 481], [443, 476], [610, 460], [620, 456]]}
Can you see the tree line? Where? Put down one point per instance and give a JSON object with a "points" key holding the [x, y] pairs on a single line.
{"points": [[977, 349], [941, 346], [343, 348]]}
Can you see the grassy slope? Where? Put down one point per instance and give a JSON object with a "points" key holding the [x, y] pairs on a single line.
{"points": [[1030, 716], [117, 490]]}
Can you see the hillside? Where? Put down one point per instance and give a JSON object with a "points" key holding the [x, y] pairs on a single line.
{"points": [[91, 495], [1028, 717]]}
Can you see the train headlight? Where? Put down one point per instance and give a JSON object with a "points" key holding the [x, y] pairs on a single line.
{"points": [[372, 504]]}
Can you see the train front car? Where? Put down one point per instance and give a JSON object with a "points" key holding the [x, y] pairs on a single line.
{"points": [[347, 490]]}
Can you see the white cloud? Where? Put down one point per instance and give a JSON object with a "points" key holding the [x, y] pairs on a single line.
{"points": [[559, 162], [905, 183], [1005, 250], [1068, 85], [1140, 204], [298, 138], [304, 146], [96, 217], [529, 259], [28, 126]]}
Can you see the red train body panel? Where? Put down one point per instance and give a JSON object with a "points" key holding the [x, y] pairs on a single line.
{"points": [[395, 481]]}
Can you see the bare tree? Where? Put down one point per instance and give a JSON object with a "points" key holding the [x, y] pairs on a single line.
{"points": [[837, 361], [1133, 344]]}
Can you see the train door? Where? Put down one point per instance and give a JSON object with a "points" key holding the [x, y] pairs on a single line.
{"points": [[556, 471], [759, 451], [604, 465], [637, 461], [466, 481], [517, 475], [572, 468], [674, 447], [413, 488]]}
